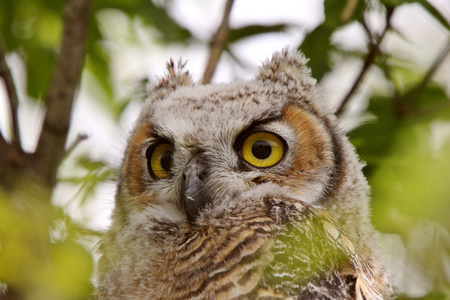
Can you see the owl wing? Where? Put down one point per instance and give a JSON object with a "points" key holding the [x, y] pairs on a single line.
{"points": [[315, 259]]}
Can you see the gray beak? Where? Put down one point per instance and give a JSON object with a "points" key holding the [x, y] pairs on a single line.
{"points": [[194, 193]]}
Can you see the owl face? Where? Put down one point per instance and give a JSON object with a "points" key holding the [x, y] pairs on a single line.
{"points": [[198, 151]]}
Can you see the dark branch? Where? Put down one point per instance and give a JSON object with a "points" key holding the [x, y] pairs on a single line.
{"points": [[374, 49], [218, 44], [80, 137], [66, 75], [404, 104], [396, 95], [430, 73], [5, 73]]}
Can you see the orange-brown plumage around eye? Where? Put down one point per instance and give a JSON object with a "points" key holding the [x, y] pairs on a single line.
{"points": [[246, 190], [133, 167], [315, 149]]}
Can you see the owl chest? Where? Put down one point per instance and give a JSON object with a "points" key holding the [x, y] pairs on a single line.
{"points": [[244, 262], [223, 263], [252, 259]]}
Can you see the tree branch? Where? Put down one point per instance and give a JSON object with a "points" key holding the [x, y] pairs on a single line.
{"points": [[218, 44], [59, 100], [80, 137], [370, 58], [430, 73], [406, 104], [5, 73]]}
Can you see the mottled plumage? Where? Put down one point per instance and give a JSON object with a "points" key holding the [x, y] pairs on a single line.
{"points": [[245, 190]]}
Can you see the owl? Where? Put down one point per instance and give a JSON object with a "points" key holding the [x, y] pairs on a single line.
{"points": [[245, 190]]}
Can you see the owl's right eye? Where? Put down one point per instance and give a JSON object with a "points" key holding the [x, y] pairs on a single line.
{"points": [[159, 160]]}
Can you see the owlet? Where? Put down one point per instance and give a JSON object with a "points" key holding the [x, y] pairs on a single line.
{"points": [[246, 190]]}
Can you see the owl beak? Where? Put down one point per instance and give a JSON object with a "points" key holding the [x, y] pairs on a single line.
{"points": [[194, 194]]}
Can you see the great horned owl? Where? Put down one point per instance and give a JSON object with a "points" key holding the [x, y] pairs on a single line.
{"points": [[245, 190]]}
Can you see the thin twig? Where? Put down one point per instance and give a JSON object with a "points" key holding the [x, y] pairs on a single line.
{"points": [[50, 149], [218, 44], [429, 74], [370, 36], [348, 10], [5, 73], [373, 52], [386, 68], [80, 137]]}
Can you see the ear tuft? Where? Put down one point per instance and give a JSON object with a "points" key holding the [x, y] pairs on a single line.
{"points": [[176, 76], [287, 68]]}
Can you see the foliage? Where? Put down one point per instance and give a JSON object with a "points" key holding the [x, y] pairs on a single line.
{"points": [[37, 265], [43, 252]]}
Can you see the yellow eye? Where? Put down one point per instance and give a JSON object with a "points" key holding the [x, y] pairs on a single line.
{"points": [[262, 149], [159, 160]]}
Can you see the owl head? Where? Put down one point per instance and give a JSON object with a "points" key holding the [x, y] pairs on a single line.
{"points": [[241, 190], [200, 151]]}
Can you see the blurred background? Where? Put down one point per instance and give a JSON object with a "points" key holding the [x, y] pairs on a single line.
{"points": [[382, 66]]}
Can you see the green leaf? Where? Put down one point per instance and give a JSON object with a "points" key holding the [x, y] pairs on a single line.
{"points": [[316, 48], [435, 13], [98, 64], [430, 8], [247, 31], [373, 140], [171, 30], [412, 178], [392, 3], [39, 65], [32, 29], [338, 13], [431, 103], [33, 266], [67, 277], [149, 14], [89, 164]]}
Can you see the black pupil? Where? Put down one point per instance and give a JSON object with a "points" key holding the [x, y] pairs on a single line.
{"points": [[261, 149], [166, 160]]}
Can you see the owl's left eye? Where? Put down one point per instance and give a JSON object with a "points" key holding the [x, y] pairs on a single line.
{"points": [[159, 160], [263, 149]]}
